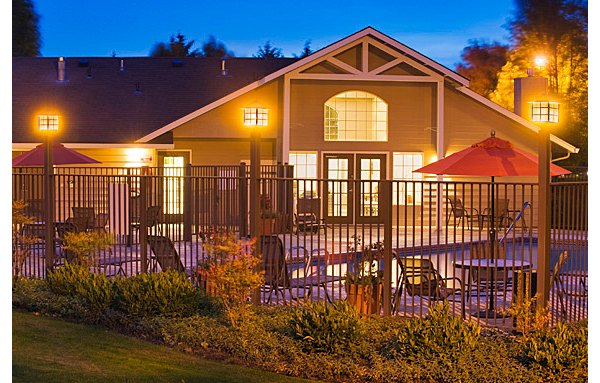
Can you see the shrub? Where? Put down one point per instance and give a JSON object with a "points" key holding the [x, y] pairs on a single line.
{"points": [[327, 328], [558, 351], [166, 293], [84, 244], [439, 335], [234, 274], [96, 291]]}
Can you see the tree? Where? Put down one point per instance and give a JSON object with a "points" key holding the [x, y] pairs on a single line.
{"points": [[558, 29], [177, 47], [268, 51], [214, 48], [481, 63], [25, 30], [306, 50]]}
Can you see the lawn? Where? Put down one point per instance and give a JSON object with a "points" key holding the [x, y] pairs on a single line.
{"points": [[51, 350]]}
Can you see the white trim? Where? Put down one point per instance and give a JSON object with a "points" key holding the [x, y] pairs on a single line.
{"points": [[346, 42], [31, 145], [516, 118], [387, 66], [365, 77], [342, 65], [440, 120], [286, 120]]}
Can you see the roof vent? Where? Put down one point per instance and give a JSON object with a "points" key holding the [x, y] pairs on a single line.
{"points": [[177, 63], [83, 63], [223, 68], [122, 65], [138, 88]]}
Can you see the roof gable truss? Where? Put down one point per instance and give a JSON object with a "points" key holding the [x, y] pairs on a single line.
{"points": [[366, 59]]}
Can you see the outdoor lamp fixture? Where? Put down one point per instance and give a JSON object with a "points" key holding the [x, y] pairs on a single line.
{"points": [[544, 111], [255, 117], [48, 123]]}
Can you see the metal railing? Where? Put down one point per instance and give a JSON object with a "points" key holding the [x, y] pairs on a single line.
{"points": [[324, 229]]}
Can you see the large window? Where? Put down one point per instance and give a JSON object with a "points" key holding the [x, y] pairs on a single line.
{"points": [[355, 116], [305, 168], [409, 191]]}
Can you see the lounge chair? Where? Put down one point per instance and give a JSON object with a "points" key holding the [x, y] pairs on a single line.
{"points": [[165, 254], [460, 213], [418, 277], [578, 289], [152, 219], [278, 276]]}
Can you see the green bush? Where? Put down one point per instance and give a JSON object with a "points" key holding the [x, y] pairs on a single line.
{"points": [[96, 291], [166, 293], [327, 328], [559, 351], [439, 335]]}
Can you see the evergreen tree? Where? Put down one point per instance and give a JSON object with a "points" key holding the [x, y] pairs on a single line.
{"points": [[177, 47], [25, 30], [214, 48], [306, 50], [268, 51]]}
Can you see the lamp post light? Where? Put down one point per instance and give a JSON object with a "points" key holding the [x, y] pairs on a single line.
{"points": [[255, 118], [544, 211], [49, 125]]}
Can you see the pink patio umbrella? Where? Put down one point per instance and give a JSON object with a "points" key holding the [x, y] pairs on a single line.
{"points": [[491, 157], [61, 155]]}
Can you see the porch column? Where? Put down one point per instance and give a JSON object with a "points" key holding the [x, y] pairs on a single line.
{"points": [[440, 150]]}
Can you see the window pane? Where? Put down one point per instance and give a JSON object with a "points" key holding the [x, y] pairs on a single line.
{"points": [[355, 116]]}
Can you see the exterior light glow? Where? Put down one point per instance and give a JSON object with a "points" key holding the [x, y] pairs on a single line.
{"points": [[544, 111], [48, 122], [256, 116], [540, 61]]}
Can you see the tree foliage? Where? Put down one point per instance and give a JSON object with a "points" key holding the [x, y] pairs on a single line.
{"points": [[557, 29], [214, 48], [177, 47], [26, 35], [268, 51], [306, 50], [481, 63]]}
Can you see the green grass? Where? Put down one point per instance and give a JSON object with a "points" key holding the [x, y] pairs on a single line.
{"points": [[51, 350]]}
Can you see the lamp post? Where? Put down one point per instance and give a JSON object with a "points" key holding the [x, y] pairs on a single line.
{"points": [[544, 158], [49, 125], [255, 118]]}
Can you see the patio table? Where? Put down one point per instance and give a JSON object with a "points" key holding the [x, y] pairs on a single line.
{"points": [[494, 265]]}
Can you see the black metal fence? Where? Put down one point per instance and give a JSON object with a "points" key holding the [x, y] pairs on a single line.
{"points": [[422, 240]]}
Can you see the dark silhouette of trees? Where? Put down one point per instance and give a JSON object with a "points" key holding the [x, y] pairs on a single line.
{"points": [[306, 50], [177, 47], [481, 63], [214, 48], [25, 30], [268, 51]]}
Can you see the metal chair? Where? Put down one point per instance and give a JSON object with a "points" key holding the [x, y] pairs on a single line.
{"points": [[85, 217], [563, 290], [165, 254], [460, 213]]}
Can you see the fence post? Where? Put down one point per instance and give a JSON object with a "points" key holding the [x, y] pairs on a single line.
{"points": [[143, 233], [187, 204], [386, 211], [289, 195], [243, 198]]}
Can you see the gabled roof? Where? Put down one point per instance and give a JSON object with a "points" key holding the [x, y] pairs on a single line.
{"points": [[99, 103]]}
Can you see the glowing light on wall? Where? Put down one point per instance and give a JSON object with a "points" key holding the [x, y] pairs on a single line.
{"points": [[136, 157], [256, 116]]}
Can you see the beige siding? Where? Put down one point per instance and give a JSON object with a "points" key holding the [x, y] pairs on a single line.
{"points": [[223, 152]]}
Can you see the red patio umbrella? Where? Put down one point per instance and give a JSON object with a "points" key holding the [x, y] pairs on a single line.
{"points": [[61, 155], [491, 157]]}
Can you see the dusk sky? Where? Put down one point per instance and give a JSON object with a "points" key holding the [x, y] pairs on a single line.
{"points": [[438, 29]]}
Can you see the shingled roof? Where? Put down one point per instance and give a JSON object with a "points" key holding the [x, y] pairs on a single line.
{"points": [[100, 103]]}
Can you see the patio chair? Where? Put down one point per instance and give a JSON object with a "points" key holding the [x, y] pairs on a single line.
{"points": [[152, 219], [100, 223], [502, 217], [308, 215], [564, 290], [86, 214], [480, 278], [418, 277], [80, 223], [62, 228], [165, 254], [278, 276], [460, 213]]}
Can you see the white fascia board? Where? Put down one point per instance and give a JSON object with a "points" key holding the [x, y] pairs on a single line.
{"points": [[515, 117], [31, 145]]}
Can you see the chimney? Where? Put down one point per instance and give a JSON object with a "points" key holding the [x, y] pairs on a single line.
{"points": [[62, 69], [527, 90], [223, 68]]}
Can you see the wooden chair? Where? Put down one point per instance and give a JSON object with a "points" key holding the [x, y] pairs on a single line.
{"points": [[460, 213], [418, 277]]}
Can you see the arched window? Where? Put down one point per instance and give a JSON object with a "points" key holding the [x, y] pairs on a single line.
{"points": [[355, 116]]}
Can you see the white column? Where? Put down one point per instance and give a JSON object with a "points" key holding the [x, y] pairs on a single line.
{"points": [[440, 147]]}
